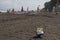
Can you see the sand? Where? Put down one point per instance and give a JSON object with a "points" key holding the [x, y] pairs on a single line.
{"points": [[21, 27]]}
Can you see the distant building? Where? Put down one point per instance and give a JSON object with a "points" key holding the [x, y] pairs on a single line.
{"points": [[57, 8]]}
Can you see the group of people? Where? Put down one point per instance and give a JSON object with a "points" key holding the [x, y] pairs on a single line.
{"points": [[11, 11]]}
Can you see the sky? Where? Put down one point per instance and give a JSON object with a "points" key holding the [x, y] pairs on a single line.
{"points": [[17, 4]]}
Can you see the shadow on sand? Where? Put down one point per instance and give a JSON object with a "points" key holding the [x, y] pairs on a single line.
{"points": [[35, 38]]}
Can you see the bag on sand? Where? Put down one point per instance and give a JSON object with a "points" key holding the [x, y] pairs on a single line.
{"points": [[39, 32]]}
